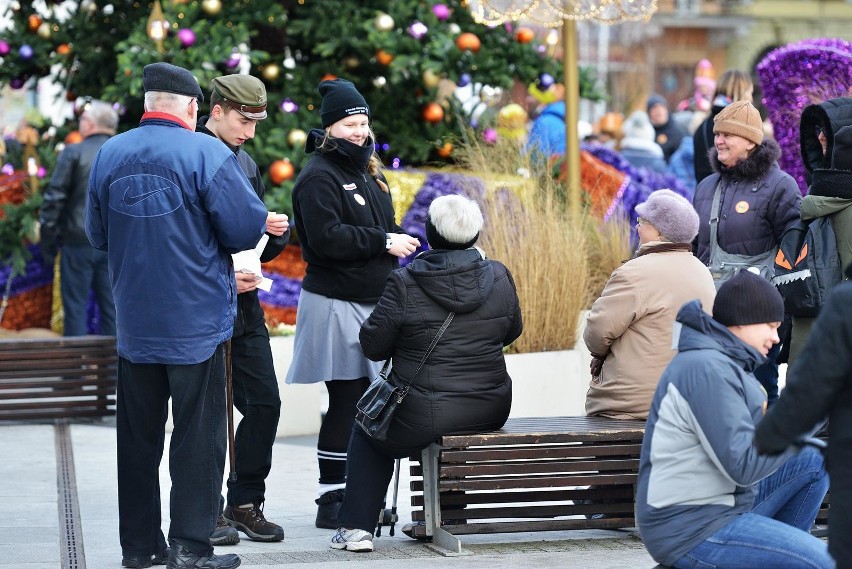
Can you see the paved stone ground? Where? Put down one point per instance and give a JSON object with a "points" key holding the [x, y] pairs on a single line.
{"points": [[36, 515]]}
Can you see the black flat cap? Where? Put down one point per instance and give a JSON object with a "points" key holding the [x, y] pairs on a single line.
{"points": [[170, 79]]}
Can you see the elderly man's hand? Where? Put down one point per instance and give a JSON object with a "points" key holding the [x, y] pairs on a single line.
{"points": [[246, 282]]}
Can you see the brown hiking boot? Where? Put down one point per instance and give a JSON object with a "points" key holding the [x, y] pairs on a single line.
{"points": [[251, 522]]}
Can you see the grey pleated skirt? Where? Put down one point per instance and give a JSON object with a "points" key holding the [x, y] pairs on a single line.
{"points": [[326, 344]]}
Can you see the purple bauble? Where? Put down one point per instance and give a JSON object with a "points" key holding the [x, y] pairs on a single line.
{"points": [[4, 47], [464, 80], [417, 30], [545, 81], [232, 61], [26, 52], [489, 135], [441, 11], [42, 172], [186, 37], [16, 83], [7, 169]]}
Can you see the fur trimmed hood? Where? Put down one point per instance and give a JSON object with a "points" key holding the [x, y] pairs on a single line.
{"points": [[755, 167]]}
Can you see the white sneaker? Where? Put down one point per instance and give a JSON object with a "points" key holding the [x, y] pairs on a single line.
{"points": [[352, 540]]}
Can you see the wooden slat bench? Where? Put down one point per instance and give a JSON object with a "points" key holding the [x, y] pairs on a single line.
{"points": [[50, 378], [534, 474]]}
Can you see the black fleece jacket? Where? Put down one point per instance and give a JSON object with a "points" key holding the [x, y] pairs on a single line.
{"points": [[342, 216]]}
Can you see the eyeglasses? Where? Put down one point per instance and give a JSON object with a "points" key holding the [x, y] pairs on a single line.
{"points": [[818, 130], [641, 221]]}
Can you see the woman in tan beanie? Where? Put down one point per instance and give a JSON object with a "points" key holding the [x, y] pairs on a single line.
{"points": [[744, 206]]}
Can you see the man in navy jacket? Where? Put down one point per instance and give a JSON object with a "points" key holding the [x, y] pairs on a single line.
{"points": [[170, 206]]}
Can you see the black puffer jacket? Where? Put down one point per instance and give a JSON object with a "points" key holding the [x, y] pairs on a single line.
{"points": [[819, 385], [831, 116], [63, 213], [759, 202], [464, 386]]}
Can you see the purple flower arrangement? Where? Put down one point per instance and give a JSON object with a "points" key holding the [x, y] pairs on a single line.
{"points": [[36, 274], [436, 185], [797, 75], [284, 291]]}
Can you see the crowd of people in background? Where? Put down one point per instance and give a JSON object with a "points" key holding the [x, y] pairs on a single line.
{"points": [[686, 334]]}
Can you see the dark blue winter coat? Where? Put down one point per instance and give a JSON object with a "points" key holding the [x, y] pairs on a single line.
{"points": [[170, 206]]}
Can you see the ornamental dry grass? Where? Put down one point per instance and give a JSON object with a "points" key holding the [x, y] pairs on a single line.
{"points": [[559, 260]]}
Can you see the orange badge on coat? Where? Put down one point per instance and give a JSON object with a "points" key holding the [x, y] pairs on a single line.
{"points": [[741, 207]]}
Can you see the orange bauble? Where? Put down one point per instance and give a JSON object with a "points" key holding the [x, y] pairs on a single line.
{"points": [[445, 150], [433, 113], [468, 41], [73, 137], [63, 49], [328, 77], [33, 22], [280, 171], [384, 57], [524, 35]]}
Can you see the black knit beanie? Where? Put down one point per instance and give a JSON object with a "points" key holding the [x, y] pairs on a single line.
{"points": [[438, 241], [747, 298], [340, 99]]}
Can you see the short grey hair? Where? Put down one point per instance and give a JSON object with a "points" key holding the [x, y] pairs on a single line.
{"points": [[103, 115], [456, 218], [164, 101]]}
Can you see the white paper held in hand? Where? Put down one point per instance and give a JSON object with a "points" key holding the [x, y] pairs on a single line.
{"points": [[248, 261]]}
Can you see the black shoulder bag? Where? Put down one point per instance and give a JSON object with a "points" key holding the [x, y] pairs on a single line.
{"points": [[376, 408]]}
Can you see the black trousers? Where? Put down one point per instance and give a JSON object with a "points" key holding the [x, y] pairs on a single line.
{"points": [[196, 452], [369, 470], [256, 398]]}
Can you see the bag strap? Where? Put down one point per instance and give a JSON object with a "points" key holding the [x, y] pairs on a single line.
{"points": [[714, 216], [440, 333]]}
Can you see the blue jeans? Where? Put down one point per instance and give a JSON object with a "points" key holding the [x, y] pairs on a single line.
{"points": [[775, 533], [83, 267]]}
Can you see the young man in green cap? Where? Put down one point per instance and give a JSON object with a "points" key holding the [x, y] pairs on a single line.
{"points": [[237, 103]]}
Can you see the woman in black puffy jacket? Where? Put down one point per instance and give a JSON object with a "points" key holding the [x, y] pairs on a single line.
{"points": [[463, 386]]}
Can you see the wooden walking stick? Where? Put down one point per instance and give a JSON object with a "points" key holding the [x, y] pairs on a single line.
{"points": [[229, 401]]}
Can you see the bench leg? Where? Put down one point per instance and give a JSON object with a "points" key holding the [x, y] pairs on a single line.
{"points": [[442, 541]]}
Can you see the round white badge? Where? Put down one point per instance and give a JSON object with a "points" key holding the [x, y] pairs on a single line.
{"points": [[359, 199]]}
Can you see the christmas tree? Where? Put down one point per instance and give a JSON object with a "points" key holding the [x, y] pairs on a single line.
{"points": [[407, 57]]}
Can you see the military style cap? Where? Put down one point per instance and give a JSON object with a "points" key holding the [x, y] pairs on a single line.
{"points": [[244, 93]]}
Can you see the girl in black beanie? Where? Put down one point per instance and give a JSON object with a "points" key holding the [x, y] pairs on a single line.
{"points": [[344, 218]]}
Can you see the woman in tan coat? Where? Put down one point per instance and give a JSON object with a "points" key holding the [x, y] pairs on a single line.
{"points": [[629, 329]]}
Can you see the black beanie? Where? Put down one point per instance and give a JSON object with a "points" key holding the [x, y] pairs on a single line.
{"points": [[438, 241], [747, 298], [340, 99]]}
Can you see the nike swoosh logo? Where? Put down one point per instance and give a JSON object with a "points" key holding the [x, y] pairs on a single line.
{"points": [[133, 200]]}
